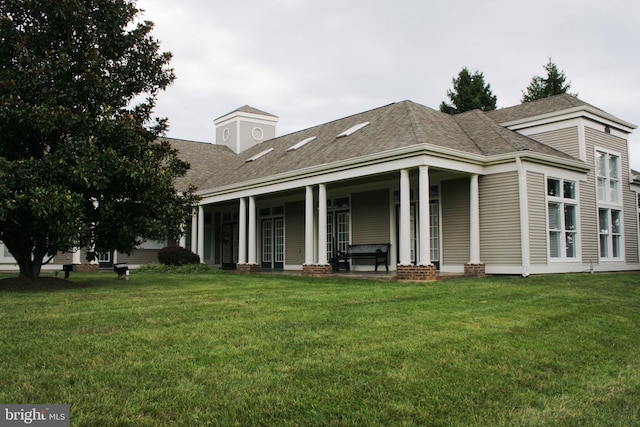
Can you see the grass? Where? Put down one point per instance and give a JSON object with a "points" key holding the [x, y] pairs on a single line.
{"points": [[227, 349]]}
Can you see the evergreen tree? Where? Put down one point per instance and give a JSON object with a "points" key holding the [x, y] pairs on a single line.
{"points": [[543, 87], [469, 93]]}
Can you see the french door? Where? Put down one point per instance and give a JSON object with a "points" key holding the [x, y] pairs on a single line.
{"points": [[272, 243], [337, 232], [230, 234], [434, 232]]}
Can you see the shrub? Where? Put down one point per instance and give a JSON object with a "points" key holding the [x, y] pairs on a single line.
{"points": [[179, 269], [176, 255]]}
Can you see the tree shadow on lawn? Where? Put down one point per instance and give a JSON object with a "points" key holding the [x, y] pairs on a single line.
{"points": [[38, 284]]}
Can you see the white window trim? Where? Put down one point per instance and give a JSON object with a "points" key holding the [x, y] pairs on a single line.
{"points": [[574, 202], [608, 205]]}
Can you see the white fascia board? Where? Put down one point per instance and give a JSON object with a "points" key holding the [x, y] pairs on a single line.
{"points": [[571, 113], [221, 121]]}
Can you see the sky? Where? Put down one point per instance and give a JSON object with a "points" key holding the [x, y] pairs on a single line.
{"points": [[312, 61]]}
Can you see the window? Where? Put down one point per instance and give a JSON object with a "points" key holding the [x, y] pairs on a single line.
{"points": [[562, 219], [610, 233], [609, 205], [301, 143], [260, 154], [352, 129], [608, 176]]}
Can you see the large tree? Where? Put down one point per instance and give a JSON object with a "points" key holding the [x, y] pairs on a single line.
{"points": [[81, 162], [555, 83], [469, 93]]}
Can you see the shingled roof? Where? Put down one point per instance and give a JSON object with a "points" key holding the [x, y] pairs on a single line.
{"points": [[393, 126]]}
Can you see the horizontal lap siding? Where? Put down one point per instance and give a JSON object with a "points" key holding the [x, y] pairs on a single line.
{"points": [[140, 257], [370, 222], [537, 218], [294, 233], [500, 219], [565, 140], [455, 222], [614, 143]]}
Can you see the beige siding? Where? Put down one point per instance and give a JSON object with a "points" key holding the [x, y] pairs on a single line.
{"points": [[500, 219], [613, 143], [64, 258], [565, 140], [370, 220], [294, 233], [455, 222], [537, 218], [141, 257]]}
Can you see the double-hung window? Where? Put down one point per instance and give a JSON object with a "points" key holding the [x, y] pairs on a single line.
{"points": [[562, 210], [609, 205]]}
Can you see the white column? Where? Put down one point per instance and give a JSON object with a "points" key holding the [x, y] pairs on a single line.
{"points": [[322, 224], [201, 233], [524, 217], [252, 231], [308, 226], [194, 231], [76, 258], [474, 221], [405, 218], [242, 232], [423, 211]]}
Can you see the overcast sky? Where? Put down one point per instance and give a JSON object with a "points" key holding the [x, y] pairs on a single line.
{"points": [[309, 62]]}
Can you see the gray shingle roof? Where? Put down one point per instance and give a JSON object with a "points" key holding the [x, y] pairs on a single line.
{"points": [[393, 126]]}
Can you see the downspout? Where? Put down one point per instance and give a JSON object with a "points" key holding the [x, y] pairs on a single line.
{"points": [[524, 216]]}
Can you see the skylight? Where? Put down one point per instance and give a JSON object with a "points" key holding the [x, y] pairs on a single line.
{"points": [[301, 143], [260, 154], [352, 129]]}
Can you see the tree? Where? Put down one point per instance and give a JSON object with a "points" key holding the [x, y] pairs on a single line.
{"points": [[469, 93], [541, 87], [81, 162]]}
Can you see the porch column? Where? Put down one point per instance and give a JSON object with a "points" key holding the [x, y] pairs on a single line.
{"points": [[322, 224], [242, 232], [423, 212], [201, 233], [405, 218], [252, 231], [194, 231], [308, 226], [474, 267], [474, 221]]}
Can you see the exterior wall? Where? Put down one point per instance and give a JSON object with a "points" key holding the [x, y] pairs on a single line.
{"points": [[500, 241], [455, 222], [232, 135], [595, 138], [565, 140], [370, 220], [249, 137], [140, 257], [65, 258], [537, 218], [294, 233]]}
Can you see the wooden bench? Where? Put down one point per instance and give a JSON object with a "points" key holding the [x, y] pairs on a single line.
{"points": [[376, 251]]}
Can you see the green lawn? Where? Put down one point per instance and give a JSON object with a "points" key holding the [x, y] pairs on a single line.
{"points": [[227, 349]]}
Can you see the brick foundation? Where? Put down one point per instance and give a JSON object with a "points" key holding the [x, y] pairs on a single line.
{"points": [[87, 268], [474, 269], [247, 268], [416, 272], [317, 270]]}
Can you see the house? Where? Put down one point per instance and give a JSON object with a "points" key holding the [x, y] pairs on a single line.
{"points": [[541, 187]]}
